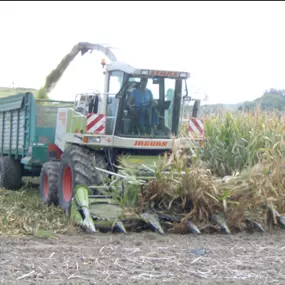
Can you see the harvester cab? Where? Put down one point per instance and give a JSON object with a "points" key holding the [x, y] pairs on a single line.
{"points": [[147, 102], [138, 104]]}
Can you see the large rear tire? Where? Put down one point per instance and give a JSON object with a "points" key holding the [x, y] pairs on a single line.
{"points": [[48, 182], [10, 173], [77, 167]]}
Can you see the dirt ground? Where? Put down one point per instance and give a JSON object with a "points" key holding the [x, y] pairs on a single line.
{"points": [[144, 258]]}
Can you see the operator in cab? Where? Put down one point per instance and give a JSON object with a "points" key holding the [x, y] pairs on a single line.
{"points": [[142, 101]]}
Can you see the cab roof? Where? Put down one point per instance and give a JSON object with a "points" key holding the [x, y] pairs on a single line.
{"points": [[122, 66]]}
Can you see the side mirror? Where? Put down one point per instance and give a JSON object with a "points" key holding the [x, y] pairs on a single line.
{"points": [[196, 108]]}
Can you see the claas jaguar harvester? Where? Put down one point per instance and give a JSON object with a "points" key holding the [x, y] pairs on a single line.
{"points": [[75, 146]]}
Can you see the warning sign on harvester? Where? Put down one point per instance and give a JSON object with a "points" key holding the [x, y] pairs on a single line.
{"points": [[96, 123], [196, 127]]}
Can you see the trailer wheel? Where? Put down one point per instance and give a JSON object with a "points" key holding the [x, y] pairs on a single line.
{"points": [[76, 167], [10, 173], [48, 182]]}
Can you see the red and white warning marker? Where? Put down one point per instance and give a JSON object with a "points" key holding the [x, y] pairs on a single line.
{"points": [[96, 123], [196, 127]]}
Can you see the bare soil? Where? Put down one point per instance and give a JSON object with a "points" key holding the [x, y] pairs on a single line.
{"points": [[144, 258]]}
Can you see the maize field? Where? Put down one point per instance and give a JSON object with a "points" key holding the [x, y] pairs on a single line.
{"points": [[223, 219]]}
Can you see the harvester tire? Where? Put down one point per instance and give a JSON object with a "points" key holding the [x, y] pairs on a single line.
{"points": [[10, 173], [48, 182], [77, 167]]}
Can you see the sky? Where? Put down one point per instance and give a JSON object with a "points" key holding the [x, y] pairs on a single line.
{"points": [[234, 51]]}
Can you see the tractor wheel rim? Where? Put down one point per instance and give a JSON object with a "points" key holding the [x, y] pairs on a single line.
{"points": [[46, 185], [67, 184]]}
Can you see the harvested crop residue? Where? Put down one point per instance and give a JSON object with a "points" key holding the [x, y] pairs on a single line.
{"points": [[144, 258]]}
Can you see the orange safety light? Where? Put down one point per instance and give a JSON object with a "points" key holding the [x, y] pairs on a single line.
{"points": [[103, 62]]}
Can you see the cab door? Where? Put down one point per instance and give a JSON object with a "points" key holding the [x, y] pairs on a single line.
{"points": [[114, 83]]}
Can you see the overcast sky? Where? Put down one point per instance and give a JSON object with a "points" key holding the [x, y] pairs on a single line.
{"points": [[233, 50]]}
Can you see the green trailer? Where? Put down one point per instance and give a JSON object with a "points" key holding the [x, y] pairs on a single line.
{"points": [[27, 134]]}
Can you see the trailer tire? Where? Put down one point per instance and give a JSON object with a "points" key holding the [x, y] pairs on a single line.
{"points": [[48, 182], [76, 167], [10, 173]]}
